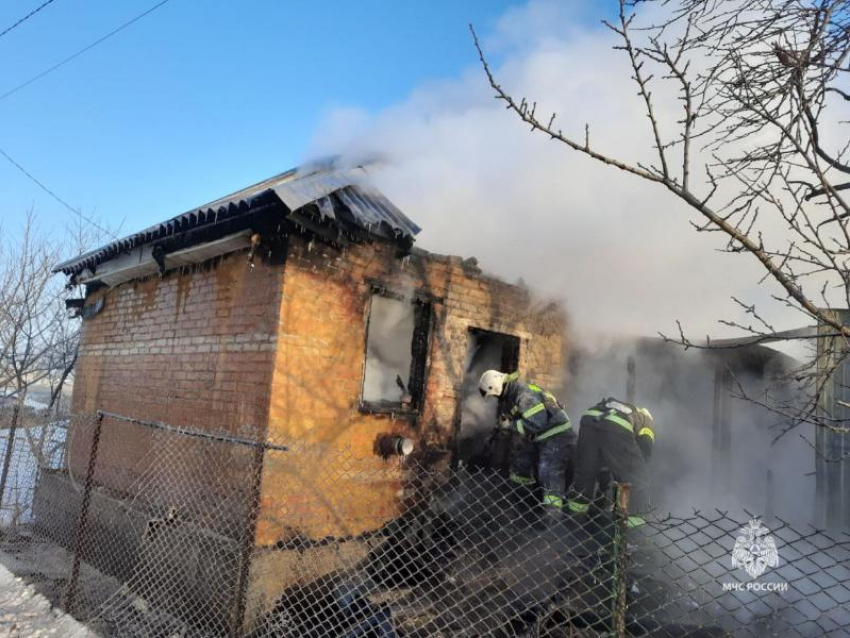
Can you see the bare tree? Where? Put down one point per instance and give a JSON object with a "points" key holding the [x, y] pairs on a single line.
{"points": [[757, 150], [37, 343]]}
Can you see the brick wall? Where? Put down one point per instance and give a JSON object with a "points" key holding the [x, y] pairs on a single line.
{"points": [[281, 350], [318, 375], [194, 348]]}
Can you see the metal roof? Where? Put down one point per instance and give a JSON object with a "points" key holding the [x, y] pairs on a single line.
{"points": [[339, 194]]}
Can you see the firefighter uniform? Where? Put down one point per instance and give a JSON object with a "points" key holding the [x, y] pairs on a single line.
{"points": [[619, 436], [544, 439]]}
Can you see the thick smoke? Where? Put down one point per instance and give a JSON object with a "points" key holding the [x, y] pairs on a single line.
{"points": [[619, 251], [622, 252], [760, 476]]}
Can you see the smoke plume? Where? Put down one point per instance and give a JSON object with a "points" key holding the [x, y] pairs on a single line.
{"points": [[620, 252]]}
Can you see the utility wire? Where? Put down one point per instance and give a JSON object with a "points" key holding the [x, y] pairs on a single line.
{"points": [[54, 195], [83, 50], [26, 17]]}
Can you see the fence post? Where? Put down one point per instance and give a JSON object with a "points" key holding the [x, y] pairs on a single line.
{"points": [[247, 543], [621, 553], [71, 589], [7, 457]]}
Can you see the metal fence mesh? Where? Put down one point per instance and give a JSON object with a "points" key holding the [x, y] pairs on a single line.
{"points": [[147, 529]]}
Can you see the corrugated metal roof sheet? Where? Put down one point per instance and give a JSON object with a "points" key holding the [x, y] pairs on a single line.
{"points": [[327, 188]]}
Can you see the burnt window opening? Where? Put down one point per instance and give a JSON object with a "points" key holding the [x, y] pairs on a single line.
{"points": [[396, 352]]}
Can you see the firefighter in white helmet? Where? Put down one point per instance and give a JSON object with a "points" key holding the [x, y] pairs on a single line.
{"points": [[544, 438]]}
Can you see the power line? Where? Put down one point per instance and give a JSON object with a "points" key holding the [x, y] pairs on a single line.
{"points": [[83, 50], [54, 195], [26, 17]]}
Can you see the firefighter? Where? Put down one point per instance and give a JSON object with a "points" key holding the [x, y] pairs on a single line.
{"points": [[619, 436], [544, 438]]}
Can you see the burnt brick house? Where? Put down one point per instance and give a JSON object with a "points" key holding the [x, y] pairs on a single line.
{"points": [[297, 309]]}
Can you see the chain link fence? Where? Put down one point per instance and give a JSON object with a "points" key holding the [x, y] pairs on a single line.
{"points": [[146, 529]]}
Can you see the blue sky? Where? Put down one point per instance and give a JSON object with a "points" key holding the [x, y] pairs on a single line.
{"points": [[203, 97], [200, 98]]}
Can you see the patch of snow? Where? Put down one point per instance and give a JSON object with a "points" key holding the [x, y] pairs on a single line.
{"points": [[24, 613]]}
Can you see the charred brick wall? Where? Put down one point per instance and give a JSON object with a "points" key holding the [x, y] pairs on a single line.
{"points": [[318, 377], [280, 350]]}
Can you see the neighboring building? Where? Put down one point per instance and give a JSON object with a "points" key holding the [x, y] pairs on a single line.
{"points": [[713, 449], [296, 310]]}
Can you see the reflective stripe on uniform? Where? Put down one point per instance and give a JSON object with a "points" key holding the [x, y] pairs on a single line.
{"points": [[553, 500], [645, 412], [636, 521], [553, 431], [647, 432], [519, 426], [513, 376], [536, 388], [534, 409], [593, 413], [520, 480], [579, 508], [619, 421]]}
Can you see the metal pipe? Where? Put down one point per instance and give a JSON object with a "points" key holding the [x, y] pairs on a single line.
{"points": [[392, 445]]}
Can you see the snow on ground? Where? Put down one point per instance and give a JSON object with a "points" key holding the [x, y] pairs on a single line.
{"points": [[26, 614]]}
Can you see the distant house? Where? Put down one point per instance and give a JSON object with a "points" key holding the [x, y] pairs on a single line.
{"points": [[713, 449], [297, 309]]}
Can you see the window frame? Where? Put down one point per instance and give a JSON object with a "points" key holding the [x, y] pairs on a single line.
{"points": [[420, 352]]}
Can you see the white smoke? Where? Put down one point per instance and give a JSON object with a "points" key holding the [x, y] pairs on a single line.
{"points": [[620, 251]]}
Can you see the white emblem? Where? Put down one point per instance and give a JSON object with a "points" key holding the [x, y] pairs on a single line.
{"points": [[755, 549]]}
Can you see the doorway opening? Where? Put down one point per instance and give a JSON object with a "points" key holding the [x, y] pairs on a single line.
{"points": [[477, 447]]}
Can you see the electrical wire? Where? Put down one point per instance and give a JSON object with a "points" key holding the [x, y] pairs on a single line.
{"points": [[54, 195], [77, 54], [26, 17]]}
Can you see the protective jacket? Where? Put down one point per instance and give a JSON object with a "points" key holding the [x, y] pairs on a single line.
{"points": [[636, 420], [620, 436], [544, 439], [532, 412]]}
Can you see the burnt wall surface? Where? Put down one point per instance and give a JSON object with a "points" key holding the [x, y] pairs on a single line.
{"points": [[280, 351], [318, 374]]}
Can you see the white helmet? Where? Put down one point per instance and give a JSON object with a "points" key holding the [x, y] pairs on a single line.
{"points": [[491, 383]]}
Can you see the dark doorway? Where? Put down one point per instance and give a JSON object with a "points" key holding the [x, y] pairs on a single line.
{"points": [[477, 416]]}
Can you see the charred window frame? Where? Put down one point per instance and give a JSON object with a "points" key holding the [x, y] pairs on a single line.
{"points": [[408, 399]]}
